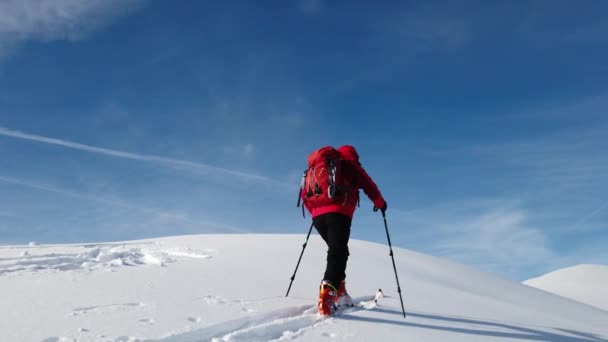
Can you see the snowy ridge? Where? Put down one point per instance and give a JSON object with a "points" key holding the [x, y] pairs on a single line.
{"points": [[231, 288], [584, 283]]}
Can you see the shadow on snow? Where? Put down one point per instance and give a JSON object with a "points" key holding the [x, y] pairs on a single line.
{"points": [[518, 332]]}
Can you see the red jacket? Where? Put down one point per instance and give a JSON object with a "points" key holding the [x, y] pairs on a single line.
{"points": [[361, 180]]}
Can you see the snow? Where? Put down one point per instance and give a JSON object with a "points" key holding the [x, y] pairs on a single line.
{"points": [[584, 283], [232, 287]]}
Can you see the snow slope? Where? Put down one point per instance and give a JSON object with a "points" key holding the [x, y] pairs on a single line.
{"points": [[232, 287], [584, 283]]}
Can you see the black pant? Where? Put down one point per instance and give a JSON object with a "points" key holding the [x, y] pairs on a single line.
{"points": [[335, 230]]}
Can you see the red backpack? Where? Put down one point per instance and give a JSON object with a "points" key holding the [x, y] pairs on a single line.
{"points": [[324, 181]]}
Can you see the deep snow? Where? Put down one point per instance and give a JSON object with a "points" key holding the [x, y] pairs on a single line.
{"points": [[232, 287]]}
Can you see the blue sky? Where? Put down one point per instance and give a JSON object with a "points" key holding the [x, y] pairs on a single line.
{"points": [[483, 123]]}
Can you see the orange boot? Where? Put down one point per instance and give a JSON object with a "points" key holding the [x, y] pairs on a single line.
{"points": [[327, 299], [343, 298]]}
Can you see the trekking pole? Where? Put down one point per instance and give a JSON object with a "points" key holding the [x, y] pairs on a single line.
{"points": [[393, 258], [300, 259]]}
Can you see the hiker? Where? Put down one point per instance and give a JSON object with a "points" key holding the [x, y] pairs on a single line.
{"points": [[330, 191]]}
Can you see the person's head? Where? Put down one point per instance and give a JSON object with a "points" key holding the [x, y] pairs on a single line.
{"points": [[349, 153]]}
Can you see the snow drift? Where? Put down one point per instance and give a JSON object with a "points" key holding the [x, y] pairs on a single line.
{"points": [[584, 283], [232, 287]]}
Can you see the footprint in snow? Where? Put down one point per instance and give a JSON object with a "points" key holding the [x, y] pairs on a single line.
{"points": [[214, 300], [127, 339], [194, 319], [104, 308], [147, 321], [329, 335]]}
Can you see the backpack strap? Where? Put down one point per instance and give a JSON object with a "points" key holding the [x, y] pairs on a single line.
{"points": [[331, 170], [317, 190]]}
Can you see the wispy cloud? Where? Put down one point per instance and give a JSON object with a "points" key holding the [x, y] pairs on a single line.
{"points": [[579, 225], [119, 203], [424, 26], [427, 25], [310, 6], [557, 178], [562, 169], [445, 31], [246, 151], [561, 22], [500, 236], [48, 20], [139, 157], [584, 110], [491, 234], [572, 159]]}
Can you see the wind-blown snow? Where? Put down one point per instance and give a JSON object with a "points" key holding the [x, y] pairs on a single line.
{"points": [[232, 287], [584, 283]]}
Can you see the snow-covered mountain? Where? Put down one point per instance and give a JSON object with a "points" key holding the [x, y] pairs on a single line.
{"points": [[232, 288], [584, 283]]}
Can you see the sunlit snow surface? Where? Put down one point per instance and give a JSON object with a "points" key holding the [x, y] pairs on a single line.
{"points": [[585, 283], [232, 288]]}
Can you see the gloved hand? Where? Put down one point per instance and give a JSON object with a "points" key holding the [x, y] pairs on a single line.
{"points": [[382, 207]]}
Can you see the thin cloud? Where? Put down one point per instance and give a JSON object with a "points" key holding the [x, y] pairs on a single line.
{"points": [[49, 20], [139, 157], [581, 110], [567, 162], [492, 234], [310, 7], [246, 151], [117, 203], [249, 150], [426, 26], [584, 219], [500, 235]]}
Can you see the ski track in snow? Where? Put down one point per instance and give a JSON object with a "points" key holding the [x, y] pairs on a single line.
{"points": [[96, 257], [279, 325]]}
